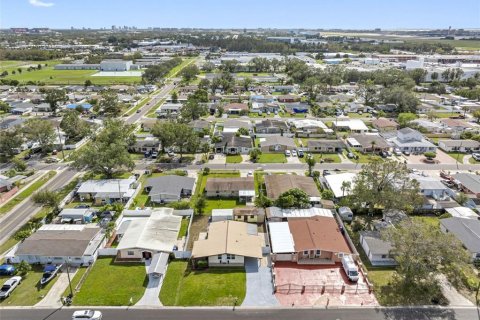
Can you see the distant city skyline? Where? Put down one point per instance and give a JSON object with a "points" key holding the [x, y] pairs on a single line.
{"points": [[280, 14]]}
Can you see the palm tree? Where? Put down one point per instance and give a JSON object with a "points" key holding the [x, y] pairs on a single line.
{"points": [[346, 185], [311, 163]]}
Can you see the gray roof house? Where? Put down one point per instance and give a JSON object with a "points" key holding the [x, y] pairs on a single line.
{"points": [[233, 144], [169, 188], [468, 183], [277, 144], [325, 145], [376, 249], [271, 126], [465, 230], [459, 145], [411, 140]]}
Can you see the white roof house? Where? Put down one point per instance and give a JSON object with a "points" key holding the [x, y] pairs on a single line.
{"points": [[158, 232], [462, 212], [335, 181], [222, 214], [276, 212], [309, 124], [354, 125], [108, 188], [281, 237]]}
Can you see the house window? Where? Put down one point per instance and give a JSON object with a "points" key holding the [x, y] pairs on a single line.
{"points": [[340, 255], [219, 257], [384, 256], [318, 253], [305, 253], [230, 257], [130, 253], [252, 216]]}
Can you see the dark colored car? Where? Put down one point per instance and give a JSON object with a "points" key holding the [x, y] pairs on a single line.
{"points": [[82, 206], [7, 270]]}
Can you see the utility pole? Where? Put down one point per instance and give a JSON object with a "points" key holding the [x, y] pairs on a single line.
{"points": [[68, 275]]}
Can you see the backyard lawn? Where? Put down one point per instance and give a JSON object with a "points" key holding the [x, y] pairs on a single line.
{"points": [[222, 203], [183, 228], [272, 158], [213, 287], [28, 292], [234, 158], [125, 281]]}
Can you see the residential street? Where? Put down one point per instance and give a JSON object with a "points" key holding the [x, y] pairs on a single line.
{"points": [[126, 313]]}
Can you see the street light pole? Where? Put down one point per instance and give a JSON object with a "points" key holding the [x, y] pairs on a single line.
{"points": [[60, 140], [68, 275]]}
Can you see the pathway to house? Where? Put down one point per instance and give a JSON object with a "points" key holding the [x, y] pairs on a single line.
{"points": [[259, 284], [344, 159], [466, 159], [152, 292], [449, 291], [53, 298]]}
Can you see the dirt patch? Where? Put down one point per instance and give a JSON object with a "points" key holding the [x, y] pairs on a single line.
{"points": [[199, 224]]}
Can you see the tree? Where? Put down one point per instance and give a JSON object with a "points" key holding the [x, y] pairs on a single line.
{"points": [[254, 154], [107, 153], [200, 204], [88, 83], [476, 115], [246, 83], [310, 161], [55, 96], [185, 139], [346, 185], [432, 115], [9, 141], [385, 185], [434, 76], [418, 75], [462, 198], [405, 100], [243, 132], [41, 132], [372, 144], [193, 110], [405, 118], [74, 127], [434, 253], [328, 194], [19, 164], [368, 91], [208, 66], [190, 72], [22, 235], [49, 199], [109, 104], [174, 97], [165, 132], [221, 110], [262, 201], [430, 155], [293, 198], [23, 268], [5, 107], [204, 84]]}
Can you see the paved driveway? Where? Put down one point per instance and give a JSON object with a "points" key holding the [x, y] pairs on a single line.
{"points": [[53, 297], [152, 292], [259, 285]]}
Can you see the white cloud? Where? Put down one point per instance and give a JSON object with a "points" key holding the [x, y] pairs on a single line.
{"points": [[39, 3]]}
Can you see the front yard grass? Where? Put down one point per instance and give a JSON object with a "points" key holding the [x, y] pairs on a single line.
{"points": [[325, 157], [112, 284], [364, 157], [234, 158], [29, 292], [25, 193], [458, 156], [272, 158], [212, 287], [75, 280]]}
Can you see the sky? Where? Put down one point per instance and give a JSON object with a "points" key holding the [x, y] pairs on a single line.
{"points": [[341, 14]]}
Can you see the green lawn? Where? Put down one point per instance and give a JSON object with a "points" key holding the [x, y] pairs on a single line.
{"points": [[112, 284], [430, 220], [75, 280], [176, 70], [222, 203], [25, 193], [234, 158], [214, 287], [458, 156], [183, 228], [364, 157], [325, 157], [272, 158], [473, 161], [29, 291]]}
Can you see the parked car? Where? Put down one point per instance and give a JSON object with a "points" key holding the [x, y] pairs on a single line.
{"points": [[406, 152], [448, 183], [28, 156], [350, 155], [154, 155], [476, 156], [383, 154], [171, 154], [82, 206], [9, 286], [294, 153], [87, 314], [397, 152], [7, 270], [139, 110], [51, 160], [287, 153], [300, 153]]}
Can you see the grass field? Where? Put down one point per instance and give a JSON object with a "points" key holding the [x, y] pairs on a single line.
{"points": [[29, 292], [272, 158], [234, 158], [214, 287], [25, 193], [125, 281], [325, 157], [50, 76], [75, 280], [175, 71]]}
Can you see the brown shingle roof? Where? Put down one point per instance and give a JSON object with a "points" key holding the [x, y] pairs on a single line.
{"points": [[384, 123], [276, 184], [229, 184], [320, 233]]}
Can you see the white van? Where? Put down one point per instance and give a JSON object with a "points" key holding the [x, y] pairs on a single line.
{"points": [[350, 268], [345, 213]]}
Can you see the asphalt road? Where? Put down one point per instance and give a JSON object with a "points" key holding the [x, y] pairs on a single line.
{"points": [[16, 218], [254, 314]]}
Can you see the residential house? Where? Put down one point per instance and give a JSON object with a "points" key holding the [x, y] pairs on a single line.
{"points": [[432, 187], [366, 142], [242, 188], [465, 146], [60, 243], [376, 249], [145, 144], [316, 240], [228, 244], [384, 124], [260, 107], [296, 107], [169, 188], [107, 191], [325, 145], [11, 123], [288, 98], [336, 183], [411, 140], [144, 237], [233, 144], [249, 214], [232, 125], [221, 215], [200, 125], [277, 144], [5, 185], [236, 108], [308, 126], [465, 230], [271, 127], [169, 110], [468, 183], [428, 126], [352, 125], [276, 214], [456, 126], [72, 215], [276, 184]]}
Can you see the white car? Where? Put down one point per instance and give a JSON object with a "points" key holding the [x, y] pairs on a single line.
{"points": [[476, 156], [294, 153], [87, 314], [9, 286], [287, 153]]}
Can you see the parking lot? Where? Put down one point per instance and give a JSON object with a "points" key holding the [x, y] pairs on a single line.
{"points": [[319, 285], [441, 157]]}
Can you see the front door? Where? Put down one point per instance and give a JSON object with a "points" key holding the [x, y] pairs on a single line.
{"points": [[312, 254], [146, 255]]}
